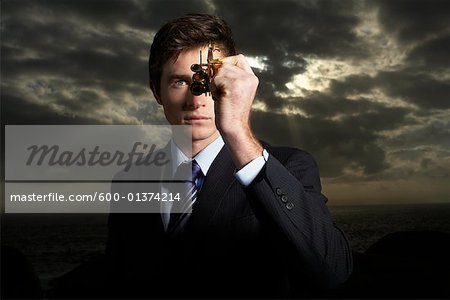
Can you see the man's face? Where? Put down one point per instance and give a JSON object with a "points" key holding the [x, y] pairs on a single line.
{"points": [[180, 106]]}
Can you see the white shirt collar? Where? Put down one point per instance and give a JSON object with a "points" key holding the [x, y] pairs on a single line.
{"points": [[177, 156], [204, 158]]}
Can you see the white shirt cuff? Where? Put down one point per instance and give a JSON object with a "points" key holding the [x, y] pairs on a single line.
{"points": [[249, 172]]}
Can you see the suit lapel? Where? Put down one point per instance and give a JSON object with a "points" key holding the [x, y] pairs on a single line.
{"points": [[217, 182]]}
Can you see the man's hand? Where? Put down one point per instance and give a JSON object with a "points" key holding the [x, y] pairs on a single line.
{"points": [[234, 89]]}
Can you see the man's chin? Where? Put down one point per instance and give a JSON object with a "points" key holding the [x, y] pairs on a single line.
{"points": [[203, 135]]}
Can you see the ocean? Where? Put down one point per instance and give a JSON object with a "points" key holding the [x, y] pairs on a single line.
{"points": [[56, 243]]}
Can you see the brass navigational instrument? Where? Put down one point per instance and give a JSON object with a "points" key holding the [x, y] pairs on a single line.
{"points": [[204, 72]]}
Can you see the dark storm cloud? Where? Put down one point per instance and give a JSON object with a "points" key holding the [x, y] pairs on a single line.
{"points": [[432, 54], [422, 90], [59, 49], [147, 15], [423, 162], [352, 85], [423, 28], [88, 100], [436, 133], [413, 20], [148, 113], [324, 105], [286, 31], [419, 89], [425, 157], [17, 111], [348, 143], [322, 28]]}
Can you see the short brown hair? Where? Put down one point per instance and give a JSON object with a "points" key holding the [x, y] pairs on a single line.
{"points": [[183, 33]]}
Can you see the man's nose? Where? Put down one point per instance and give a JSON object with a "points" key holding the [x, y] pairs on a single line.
{"points": [[195, 102]]}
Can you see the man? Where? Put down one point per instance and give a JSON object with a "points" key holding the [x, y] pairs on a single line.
{"points": [[259, 225]]}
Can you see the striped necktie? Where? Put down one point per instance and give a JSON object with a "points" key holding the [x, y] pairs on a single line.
{"points": [[181, 210]]}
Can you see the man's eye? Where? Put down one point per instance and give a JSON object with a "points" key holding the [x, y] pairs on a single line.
{"points": [[180, 82]]}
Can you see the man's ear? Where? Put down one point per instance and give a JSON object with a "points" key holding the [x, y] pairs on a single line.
{"points": [[155, 93]]}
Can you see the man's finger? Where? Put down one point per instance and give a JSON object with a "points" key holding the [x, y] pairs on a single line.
{"points": [[239, 61]]}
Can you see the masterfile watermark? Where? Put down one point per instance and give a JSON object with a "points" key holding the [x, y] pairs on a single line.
{"points": [[53, 155], [93, 197], [94, 169], [89, 152]]}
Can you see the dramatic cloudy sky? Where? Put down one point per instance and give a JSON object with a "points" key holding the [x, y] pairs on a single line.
{"points": [[363, 86]]}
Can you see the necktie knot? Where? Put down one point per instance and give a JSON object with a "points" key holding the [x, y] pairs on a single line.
{"points": [[196, 171], [188, 171]]}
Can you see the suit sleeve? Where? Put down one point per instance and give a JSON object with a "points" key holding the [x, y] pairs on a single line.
{"points": [[288, 196]]}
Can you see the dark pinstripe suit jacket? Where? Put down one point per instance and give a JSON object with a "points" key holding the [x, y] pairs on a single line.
{"points": [[274, 238]]}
